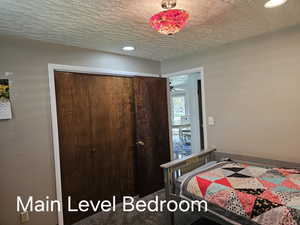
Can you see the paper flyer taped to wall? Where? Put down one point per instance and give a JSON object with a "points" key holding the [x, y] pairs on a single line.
{"points": [[5, 104]]}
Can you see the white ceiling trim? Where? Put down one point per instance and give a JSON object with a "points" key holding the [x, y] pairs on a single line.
{"points": [[97, 70]]}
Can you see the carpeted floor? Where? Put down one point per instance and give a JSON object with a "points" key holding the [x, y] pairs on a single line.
{"points": [[142, 218]]}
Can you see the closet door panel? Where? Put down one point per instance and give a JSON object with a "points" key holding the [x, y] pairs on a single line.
{"points": [[152, 132], [113, 135], [74, 129]]}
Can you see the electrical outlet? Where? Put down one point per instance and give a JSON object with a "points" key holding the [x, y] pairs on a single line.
{"points": [[24, 217]]}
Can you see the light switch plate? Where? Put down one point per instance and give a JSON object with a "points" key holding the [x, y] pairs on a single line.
{"points": [[211, 121], [8, 74], [24, 217]]}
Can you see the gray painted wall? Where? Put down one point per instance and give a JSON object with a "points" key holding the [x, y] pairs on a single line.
{"points": [[252, 91], [26, 155]]}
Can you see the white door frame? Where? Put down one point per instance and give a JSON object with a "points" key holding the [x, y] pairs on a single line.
{"points": [[202, 78], [76, 69]]}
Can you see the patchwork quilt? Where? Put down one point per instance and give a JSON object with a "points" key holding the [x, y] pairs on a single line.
{"points": [[263, 196]]}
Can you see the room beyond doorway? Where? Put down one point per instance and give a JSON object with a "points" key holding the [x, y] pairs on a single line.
{"points": [[185, 93]]}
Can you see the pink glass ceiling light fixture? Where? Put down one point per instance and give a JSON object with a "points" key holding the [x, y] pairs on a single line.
{"points": [[169, 21]]}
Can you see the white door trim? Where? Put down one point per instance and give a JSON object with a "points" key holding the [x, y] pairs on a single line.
{"points": [[189, 71], [76, 69], [96, 70]]}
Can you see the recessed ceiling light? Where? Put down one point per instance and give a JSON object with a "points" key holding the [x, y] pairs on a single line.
{"points": [[128, 48], [274, 3]]}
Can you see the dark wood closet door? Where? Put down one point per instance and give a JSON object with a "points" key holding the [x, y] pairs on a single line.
{"points": [[97, 138], [152, 130]]}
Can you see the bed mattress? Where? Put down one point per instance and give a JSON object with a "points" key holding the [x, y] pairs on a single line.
{"points": [[246, 194]]}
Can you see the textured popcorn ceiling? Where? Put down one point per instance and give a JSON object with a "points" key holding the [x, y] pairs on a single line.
{"points": [[109, 25]]}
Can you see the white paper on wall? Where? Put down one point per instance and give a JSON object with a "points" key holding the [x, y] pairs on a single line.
{"points": [[5, 110], [5, 105]]}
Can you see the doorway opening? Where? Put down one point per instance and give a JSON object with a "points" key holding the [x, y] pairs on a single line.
{"points": [[185, 92]]}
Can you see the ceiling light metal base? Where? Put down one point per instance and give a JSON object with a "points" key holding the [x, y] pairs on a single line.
{"points": [[168, 4]]}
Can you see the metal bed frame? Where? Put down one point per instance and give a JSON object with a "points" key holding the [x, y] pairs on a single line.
{"points": [[174, 169]]}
